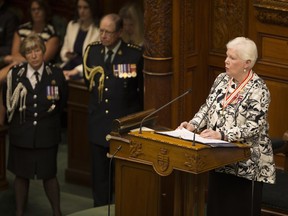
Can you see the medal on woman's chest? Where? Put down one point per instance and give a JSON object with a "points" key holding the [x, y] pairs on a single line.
{"points": [[52, 91], [235, 95]]}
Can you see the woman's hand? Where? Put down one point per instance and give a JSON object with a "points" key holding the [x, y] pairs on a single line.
{"points": [[70, 55], [70, 73], [186, 125], [14, 59], [210, 134]]}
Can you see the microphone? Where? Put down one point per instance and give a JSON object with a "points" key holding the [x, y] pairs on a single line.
{"points": [[205, 114], [160, 108], [109, 178]]}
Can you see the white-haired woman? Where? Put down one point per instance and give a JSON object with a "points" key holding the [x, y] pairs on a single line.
{"points": [[236, 110]]}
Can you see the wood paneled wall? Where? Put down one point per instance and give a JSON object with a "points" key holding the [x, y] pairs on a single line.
{"points": [[270, 30], [185, 48]]}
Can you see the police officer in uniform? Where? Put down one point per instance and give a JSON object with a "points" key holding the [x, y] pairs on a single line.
{"points": [[113, 73], [34, 96]]}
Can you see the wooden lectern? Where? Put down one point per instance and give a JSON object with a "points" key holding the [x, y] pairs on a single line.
{"points": [[157, 175]]}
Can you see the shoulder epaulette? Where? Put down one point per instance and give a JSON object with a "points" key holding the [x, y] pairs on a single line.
{"points": [[18, 66], [52, 65], [48, 68], [135, 46], [95, 43]]}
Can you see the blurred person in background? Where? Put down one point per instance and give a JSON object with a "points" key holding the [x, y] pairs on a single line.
{"points": [[80, 32], [39, 23], [133, 23]]}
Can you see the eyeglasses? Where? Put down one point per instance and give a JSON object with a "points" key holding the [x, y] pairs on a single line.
{"points": [[108, 33]]}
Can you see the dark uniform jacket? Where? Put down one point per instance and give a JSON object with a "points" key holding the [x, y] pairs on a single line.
{"points": [[39, 126], [122, 90]]}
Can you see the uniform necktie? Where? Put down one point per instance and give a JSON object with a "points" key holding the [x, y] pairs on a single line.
{"points": [[108, 59], [36, 74]]}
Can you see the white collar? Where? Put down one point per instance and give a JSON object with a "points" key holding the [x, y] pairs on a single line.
{"points": [[30, 71], [115, 49]]}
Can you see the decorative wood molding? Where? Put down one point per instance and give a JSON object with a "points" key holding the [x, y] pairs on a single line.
{"points": [[228, 20], [163, 159], [188, 20], [194, 160], [150, 73], [158, 25], [135, 149], [272, 11]]}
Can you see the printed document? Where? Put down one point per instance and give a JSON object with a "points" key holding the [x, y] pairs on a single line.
{"points": [[188, 135]]}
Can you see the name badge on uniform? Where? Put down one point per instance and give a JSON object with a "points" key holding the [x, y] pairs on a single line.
{"points": [[124, 70]]}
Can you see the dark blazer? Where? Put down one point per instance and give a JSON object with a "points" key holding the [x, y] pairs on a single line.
{"points": [[121, 95], [40, 125]]}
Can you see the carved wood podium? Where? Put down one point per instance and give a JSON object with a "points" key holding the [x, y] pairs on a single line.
{"points": [[160, 175]]}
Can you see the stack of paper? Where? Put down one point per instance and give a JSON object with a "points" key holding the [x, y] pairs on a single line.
{"points": [[188, 135]]}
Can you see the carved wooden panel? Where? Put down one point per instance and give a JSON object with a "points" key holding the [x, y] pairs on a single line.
{"points": [[228, 20], [278, 108], [274, 49], [157, 24], [272, 11], [188, 26], [158, 56], [189, 48]]}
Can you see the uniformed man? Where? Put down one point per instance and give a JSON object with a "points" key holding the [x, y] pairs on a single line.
{"points": [[35, 94], [113, 73]]}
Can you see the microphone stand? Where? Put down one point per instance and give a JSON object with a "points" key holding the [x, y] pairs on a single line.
{"points": [[193, 144], [109, 178], [208, 109], [157, 110]]}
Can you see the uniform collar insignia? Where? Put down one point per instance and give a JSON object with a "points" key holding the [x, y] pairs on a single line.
{"points": [[21, 71], [48, 69]]}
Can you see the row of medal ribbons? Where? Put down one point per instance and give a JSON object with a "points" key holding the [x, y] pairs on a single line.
{"points": [[52, 92], [125, 70]]}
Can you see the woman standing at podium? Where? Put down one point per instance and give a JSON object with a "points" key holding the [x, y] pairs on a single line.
{"points": [[236, 110]]}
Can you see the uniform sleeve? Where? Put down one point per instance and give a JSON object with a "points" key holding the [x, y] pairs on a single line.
{"points": [[85, 64], [64, 90], [4, 91]]}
